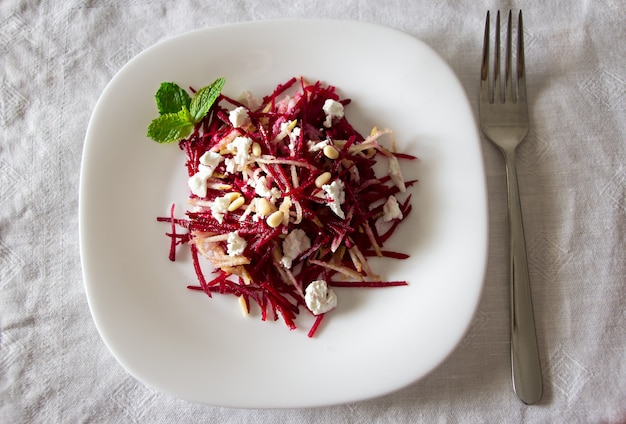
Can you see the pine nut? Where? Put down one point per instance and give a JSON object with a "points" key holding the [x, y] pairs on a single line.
{"points": [[236, 204], [219, 186], [330, 152], [232, 196], [322, 179], [256, 149], [263, 206], [275, 219]]}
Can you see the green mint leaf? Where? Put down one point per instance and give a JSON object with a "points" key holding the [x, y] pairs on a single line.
{"points": [[171, 127], [204, 99], [171, 98]]}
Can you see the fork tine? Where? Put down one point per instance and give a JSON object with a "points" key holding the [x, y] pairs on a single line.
{"points": [[521, 61], [497, 95], [507, 65], [484, 68]]}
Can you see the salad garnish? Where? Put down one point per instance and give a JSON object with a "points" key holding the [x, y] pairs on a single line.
{"points": [[284, 201], [179, 112]]}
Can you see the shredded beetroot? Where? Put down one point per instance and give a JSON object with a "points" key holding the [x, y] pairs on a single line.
{"points": [[316, 324], [287, 196]]}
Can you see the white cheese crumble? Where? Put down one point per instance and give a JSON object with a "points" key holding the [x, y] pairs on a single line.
{"points": [[296, 243], [219, 207], [239, 117], [319, 298], [391, 209], [209, 161], [332, 109], [198, 182], [261, 188], [235, 244], [240, 146], [335, 196]]}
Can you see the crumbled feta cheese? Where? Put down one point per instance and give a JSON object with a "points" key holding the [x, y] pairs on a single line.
{"points": [[211, 159], [332, 109], [391, 209], [219, 207], [319, 298], [240, 146], [335, 196], [235, 244], [230, 165], [261, 188], [239, 117], [395, 174], [296, 243], [197, 183]]}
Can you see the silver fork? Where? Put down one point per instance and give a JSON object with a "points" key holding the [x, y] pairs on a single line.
{"points": [[504, 120]]}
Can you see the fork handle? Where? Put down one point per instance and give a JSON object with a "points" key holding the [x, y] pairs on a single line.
{"points": [[526, 368]]}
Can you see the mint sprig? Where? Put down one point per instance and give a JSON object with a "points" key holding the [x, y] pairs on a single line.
{"points": [[179, 112]]}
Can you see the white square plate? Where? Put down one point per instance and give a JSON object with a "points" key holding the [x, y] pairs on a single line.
{"points": [[378, 340]]}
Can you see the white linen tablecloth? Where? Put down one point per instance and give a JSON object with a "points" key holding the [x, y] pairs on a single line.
{"points": [[57, 57]]}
